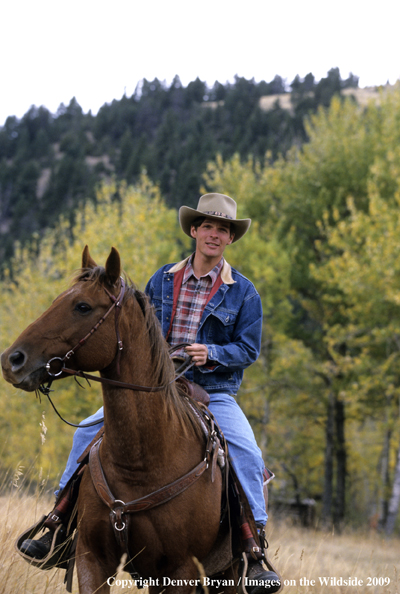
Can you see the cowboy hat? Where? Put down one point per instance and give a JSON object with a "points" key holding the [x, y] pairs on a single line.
{"points": [[217, 207]]}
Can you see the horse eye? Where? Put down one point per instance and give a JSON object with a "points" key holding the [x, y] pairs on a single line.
{"points": [[83, 308]]}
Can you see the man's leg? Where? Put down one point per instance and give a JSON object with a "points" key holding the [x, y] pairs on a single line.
{"points": [[244, 452], [247, 461], [82, 438]]}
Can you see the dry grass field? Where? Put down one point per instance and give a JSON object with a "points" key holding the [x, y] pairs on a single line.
{"points": [[363, 97], [314, 562], [267, 102], [311, 562]]}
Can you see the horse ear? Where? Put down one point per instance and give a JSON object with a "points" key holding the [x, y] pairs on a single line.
{"points": [[113, 266], [87, 260]]}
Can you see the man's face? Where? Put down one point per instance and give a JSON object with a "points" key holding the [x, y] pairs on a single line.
{"points": [[212, 237]]}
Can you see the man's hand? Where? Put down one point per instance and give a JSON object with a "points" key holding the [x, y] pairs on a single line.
{"points": [[198, 352]]}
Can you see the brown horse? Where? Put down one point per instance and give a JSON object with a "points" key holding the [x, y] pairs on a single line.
{"points": [[151, 438]]}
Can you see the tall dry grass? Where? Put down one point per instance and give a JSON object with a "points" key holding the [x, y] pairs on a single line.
{"points": [[301, 555], [21, 505], [306, 555]]}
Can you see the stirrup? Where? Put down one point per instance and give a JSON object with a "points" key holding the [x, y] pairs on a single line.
{"points": [[244, 566], [58, 554], [38, 548]]}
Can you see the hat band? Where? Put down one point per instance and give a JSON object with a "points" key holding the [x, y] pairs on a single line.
{"points": [[217, 214]]}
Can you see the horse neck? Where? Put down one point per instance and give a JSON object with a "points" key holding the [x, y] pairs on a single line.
{"points": [[133, 418]]}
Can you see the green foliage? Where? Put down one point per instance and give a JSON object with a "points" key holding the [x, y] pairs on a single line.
{"points": [[362, 275]]}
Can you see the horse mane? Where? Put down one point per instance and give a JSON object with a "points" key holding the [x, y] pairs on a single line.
{"points": [[163, 367]]}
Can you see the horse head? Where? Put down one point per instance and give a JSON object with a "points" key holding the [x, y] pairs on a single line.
{"points": [[65, 326]]}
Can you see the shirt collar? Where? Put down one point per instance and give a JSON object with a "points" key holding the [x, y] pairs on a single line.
{"points": [[226, 273], [213, 274]]}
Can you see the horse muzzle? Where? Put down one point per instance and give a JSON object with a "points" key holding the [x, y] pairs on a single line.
{"points": [[18, 372]]}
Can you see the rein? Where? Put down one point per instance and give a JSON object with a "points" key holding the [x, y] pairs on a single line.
{"points": [[46, 389], [117, 305]]}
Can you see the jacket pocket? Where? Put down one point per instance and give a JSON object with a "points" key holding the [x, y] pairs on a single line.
{"points": [[225, 317], [221, 325]]}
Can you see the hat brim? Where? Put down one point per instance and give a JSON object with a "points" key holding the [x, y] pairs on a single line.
{"points": [[187, 216]]}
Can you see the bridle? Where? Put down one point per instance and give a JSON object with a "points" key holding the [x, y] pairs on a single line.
{"points": [[117, 306]]}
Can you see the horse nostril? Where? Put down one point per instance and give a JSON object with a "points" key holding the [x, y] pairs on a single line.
{"points": [[17, 360]]}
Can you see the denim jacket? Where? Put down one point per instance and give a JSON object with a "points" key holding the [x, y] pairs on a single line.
{"points": [[230, 326]]}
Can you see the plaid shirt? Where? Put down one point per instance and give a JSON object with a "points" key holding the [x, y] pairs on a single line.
{"points": [[192, 300]]}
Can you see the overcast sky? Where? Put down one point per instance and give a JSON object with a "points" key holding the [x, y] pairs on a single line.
{"points": [[51, 51]]}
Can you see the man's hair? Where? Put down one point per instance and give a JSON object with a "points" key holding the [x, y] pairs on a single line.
{"points": [[200, 220], [197, 222]]}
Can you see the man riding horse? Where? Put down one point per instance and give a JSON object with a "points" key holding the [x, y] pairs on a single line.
{"points": [[205, 302]]}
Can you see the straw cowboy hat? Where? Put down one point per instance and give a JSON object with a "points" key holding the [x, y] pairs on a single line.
{"points": [[217, 207]]}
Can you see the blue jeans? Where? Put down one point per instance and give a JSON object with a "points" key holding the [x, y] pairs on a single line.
{"points": [[244, 452], [82, 438]]}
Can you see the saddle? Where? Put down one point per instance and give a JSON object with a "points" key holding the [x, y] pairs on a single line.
{"points": [[186, 387], [193, 391], [237, 536]]}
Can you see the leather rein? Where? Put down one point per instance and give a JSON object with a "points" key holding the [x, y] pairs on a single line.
{"points": [[117, 305]]}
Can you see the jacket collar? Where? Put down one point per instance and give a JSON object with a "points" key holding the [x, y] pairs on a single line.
{"points": [[226, 272]]}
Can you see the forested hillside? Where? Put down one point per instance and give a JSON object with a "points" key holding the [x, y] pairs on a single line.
{"points": [[52, 163]]}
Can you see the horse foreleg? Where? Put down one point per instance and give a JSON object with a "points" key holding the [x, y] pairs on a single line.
{"points": [[92, 575]]}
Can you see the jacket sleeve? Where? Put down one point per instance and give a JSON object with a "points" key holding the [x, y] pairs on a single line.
{"points": [[149, 289], [153, 288], [243, 347]]}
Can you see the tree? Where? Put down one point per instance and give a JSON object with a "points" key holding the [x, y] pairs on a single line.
{"points": [[394, 503], [277, 86], [328, 87], [361, 276], [195, 92]]}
